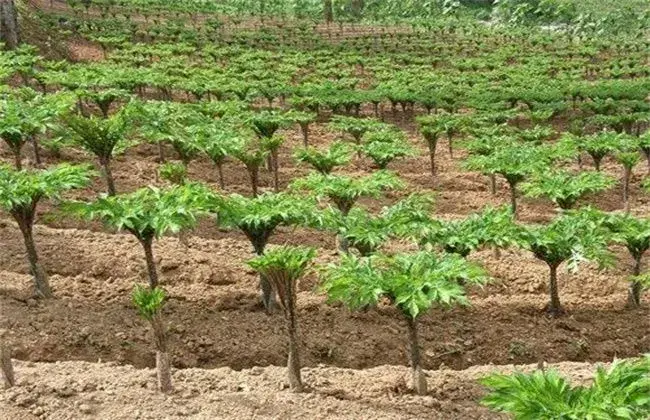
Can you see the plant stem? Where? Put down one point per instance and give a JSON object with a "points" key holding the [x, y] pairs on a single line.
{"points": [[432, 156], [293, 362], [6, 366], [108, 175], [276, 170], [37, 150], [254, 172], [41, 283], [222, 183], [163, 360], [147, 244], [627, 171], [554, 308], [419, 380], [635, 288]]}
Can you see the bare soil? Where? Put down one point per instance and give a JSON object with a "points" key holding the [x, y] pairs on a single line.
{"points": [[79, 390]]}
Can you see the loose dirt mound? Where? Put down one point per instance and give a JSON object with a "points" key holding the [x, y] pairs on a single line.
{"points": [[77, 390]]}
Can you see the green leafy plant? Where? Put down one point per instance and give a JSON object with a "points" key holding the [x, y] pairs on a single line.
{"points": [[514, 163], [344, 191], [252, 155], [412, 282], [149, 303], [565, 188], [628, 156], [384, 146], [619, 392], [355, 127], [20, 193], [324, 161], [174, 172], [571, 237], [634, 234], [283, 267], [259, 217], [150, 213], [103, 137]]}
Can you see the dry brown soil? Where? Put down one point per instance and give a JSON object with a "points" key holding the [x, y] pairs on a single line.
{"points": [[82, 390]]}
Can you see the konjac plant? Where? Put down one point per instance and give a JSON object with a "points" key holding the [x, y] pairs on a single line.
{"points": [[572, 237], [103, 137], [345, 191], [282, 267], [149, 213], [618, 392], [634, 234], [413, 283], [20, 194], [565, 188], [258, 218], [324, 161]]}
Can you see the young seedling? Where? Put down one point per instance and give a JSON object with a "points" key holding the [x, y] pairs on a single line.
{"points": [[565, 188], [258, 218], [344, 191], [103, 137], [324, 161], [173, 172], [619, 392], [412, 282], [634, 233], [572, 237], [149, 303], [283, 267], [150, 213], [20, 193]]}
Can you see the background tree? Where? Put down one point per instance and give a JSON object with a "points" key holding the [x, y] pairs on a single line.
{"points": [[150, 213], [412, 282], [618, 392], [20, 193], [283, 267], [149, 303]]}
